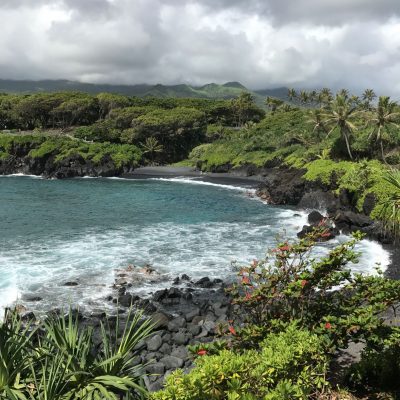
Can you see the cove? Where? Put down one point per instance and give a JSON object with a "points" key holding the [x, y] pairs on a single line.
{"points": [[82, 230]]}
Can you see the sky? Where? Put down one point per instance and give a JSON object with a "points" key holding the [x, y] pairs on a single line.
{"points": [[260, 43]]}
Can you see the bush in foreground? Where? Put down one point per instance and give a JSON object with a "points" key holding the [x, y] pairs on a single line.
{"points": [[289, 365], [59, 359]]}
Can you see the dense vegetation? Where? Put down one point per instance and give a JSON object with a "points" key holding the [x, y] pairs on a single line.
{"points": [[294, 315], [294, 312], [343, 141]]}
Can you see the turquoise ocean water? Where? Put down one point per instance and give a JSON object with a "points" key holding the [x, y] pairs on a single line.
{"points": [[54, 231]]}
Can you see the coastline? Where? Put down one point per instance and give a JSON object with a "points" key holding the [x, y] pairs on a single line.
{"points": [[222, 178], [241, 179]]}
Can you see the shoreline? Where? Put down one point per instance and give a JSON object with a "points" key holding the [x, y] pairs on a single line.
{"points": [[222, 178], [252, 182], [239, 179]]}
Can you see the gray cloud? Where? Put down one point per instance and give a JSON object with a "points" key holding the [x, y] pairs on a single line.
{"points": [[304, 43]]}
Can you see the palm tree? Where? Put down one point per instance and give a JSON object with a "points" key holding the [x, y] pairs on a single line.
{"points": [[325, 96], [340, 115], [273, 103], [291, 94], [368, 96], [383, 117], [317, 120], [304, 97], [344, 93], [152, 146]]}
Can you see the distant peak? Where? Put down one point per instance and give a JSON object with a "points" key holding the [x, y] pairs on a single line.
{"points": [[237, 85]]}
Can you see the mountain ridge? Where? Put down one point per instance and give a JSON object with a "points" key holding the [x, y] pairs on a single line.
{"points": [[227, 90]]}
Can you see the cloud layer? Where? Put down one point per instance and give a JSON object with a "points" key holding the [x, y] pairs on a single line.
{"points": [[302, 43]]}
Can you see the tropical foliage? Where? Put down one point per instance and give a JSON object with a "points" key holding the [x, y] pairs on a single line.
{"points": [[60, 360]]}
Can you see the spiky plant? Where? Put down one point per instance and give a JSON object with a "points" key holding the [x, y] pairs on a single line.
{"points": [[15, 346]]}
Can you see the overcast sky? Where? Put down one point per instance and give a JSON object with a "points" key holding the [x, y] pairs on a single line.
{"points": [[261, 43]]}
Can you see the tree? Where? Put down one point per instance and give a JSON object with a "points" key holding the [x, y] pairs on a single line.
{"points": [[245, 109], [383, 117], [152, 146], [325, 96], [273, 103], [368, 96], [343, 93], [340, 115], [317, 121], [304, 97], [291, 94]]}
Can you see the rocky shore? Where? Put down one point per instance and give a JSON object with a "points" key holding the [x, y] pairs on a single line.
{"points": [[187, 313]]}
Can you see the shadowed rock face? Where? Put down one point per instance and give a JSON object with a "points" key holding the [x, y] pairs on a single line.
{"points": [[49, 167]]}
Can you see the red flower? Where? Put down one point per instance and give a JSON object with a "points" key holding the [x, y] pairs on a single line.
{"points": [[303, 283], [328, 326], [248, 296], [245, 280], [322, 222], [232, 330], [326, 234], [202, 352], [284, 248]]}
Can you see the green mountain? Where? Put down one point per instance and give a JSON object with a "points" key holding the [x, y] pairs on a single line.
{"points": [[210, 91]]}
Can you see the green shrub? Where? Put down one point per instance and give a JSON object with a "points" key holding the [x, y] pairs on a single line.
{"points": [[379, 368], [289, 365], [322, 294]]}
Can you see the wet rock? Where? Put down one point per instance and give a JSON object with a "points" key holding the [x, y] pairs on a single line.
{"points": [[180, 352], [351, 221], [191, 314], [154, 343], [33, 298], [172, 362], [159, 295], [127, 300], [204, 282], [174, 293], [176, 324], [165, 348], [181, 337], [146, 305], [315, 217], [28, 316], [194, 329], [157, 385], [185, 277], [369, 203], [157, 368], [71, 283], [160, 320]]}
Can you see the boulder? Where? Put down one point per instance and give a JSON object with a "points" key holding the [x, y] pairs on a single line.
{"points": [[154, 343], [204, 282], [172, 362], [175, 324], [315, 217], [160, 320]]}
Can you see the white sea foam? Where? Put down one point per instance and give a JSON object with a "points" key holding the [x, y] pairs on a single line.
{"points": [[198, 250], [90, 257], [198, 181], [24, 175]]}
